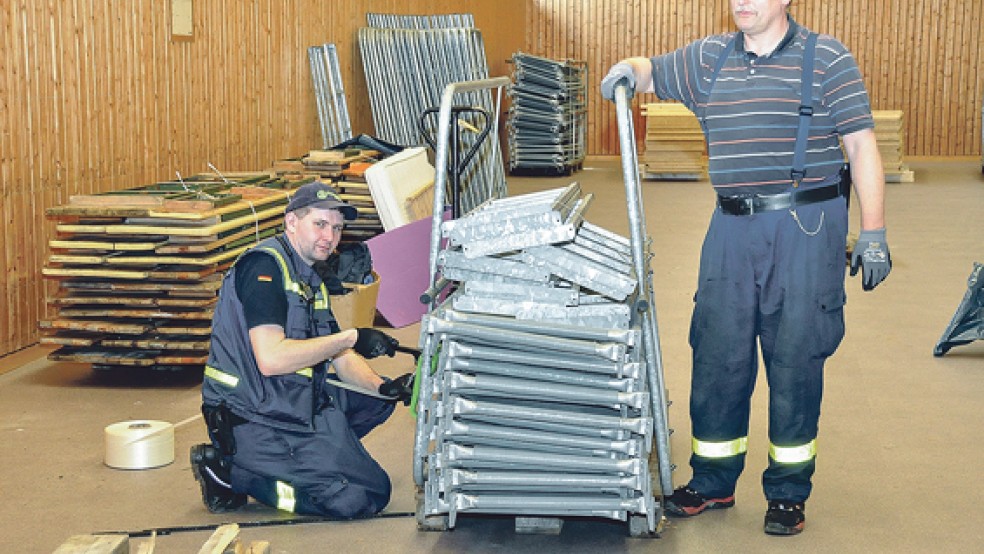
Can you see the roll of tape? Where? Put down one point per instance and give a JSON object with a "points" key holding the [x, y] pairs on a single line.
{"points": [[139, 444]]}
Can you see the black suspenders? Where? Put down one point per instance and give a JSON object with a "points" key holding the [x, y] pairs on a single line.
{"points": [[806, 101]]}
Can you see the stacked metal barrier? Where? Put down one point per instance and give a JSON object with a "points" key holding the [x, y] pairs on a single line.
{"points": [[408, 62], [548, 116], [329, 95], [538, 402]]}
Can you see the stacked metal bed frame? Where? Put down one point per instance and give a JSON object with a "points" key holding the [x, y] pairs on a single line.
{"points": [[408, 62], [548, 115], [541, 392]]}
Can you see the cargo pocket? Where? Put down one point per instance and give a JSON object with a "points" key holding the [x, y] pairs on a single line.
{"points": [[830, 324]]}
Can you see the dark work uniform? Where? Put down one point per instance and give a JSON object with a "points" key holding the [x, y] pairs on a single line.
{"points": [[298, 442], [774, 279]]}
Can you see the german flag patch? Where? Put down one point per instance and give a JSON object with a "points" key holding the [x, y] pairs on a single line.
{"points": [[264, 278]]}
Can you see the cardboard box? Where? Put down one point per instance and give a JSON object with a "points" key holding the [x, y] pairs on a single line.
{"points": [[357, 308]]}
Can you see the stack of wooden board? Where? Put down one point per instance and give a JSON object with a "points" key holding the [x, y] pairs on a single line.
{"points": [[331, 163], [345, 172], [675, 146], [138, 271], [889, 134]]}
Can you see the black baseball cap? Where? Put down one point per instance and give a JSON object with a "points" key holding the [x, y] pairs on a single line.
{"points": [[320, 195]]}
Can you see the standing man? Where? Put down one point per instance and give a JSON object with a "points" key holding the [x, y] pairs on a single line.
{"points": [[281, 432], [773, 100]]}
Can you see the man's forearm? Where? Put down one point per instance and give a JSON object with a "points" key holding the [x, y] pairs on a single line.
{"points": [[354, 370], [868, 177], [277, 355]]}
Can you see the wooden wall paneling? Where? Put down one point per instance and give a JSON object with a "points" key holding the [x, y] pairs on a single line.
{"points": [[98, 97], [922, 57], [7, 129]]}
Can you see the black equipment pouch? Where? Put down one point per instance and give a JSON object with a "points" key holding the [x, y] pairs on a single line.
{"points": [[845, 183], [220, 420]]}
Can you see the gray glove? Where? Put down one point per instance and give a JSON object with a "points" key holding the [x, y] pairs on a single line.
{"points": [[372, 343], [871, 255], [620, 74]]}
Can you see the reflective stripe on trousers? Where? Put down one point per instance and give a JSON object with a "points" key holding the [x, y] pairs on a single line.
{"points": [[285, 497], [720, 449], [781, 454]]}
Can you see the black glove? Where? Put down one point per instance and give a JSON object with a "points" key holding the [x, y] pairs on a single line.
{"points": [[871, 255], [620, 74], [401, 388], [372, 343]]}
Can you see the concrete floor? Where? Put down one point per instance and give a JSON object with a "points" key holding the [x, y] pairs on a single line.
{"points": [[900, 446]]}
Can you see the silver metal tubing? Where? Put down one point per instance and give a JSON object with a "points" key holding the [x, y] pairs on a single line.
{"points": [[637, 222], [527, 341], [627, 337], [457, 349]]}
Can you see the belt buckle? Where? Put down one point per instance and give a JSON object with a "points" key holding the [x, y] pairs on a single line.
{"points": [[749, 205]]}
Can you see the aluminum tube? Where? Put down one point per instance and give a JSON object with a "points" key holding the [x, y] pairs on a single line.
{"points": [[526, 341], [561, 504], [637, 223], [457, 349], [461, 429], [426, 413], [458, 456], [536, 446], [638, 425], [541, 373], [545, 392], [628, 337], [314, 62], [504, 480]]}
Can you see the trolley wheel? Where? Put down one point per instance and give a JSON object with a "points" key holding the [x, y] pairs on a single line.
{"points": [[639, 527], [429, 522]]}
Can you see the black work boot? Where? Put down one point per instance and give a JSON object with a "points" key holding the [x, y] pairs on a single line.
{"points": [[784, 518], [213, 476], [686, 502]]}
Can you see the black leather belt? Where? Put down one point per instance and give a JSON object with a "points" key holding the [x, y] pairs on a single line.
{"points": [[759, 203]]}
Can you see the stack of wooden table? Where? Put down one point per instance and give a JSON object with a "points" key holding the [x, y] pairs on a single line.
{"points": [[889, 133], [138, 271], [675, 145]]}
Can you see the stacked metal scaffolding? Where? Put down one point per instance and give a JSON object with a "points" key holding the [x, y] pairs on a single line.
{"points": [[539, 402], [540, 389], [408, 62], [329, 95], [548, 116]]}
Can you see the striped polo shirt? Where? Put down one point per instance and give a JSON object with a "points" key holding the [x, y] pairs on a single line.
{"points": [[752, 113]]}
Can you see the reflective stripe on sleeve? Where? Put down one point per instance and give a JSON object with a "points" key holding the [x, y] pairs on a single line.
{"points": [[720, 449], [221, 376], [794, 454], [285, 497]]}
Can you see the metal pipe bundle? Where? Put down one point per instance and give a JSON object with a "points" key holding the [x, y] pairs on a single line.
{"points": [[329, 95], [408, 63], [548, 116]]}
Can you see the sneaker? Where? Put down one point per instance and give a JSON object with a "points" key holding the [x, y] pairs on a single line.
{"points": [[784, 518], [206, 464], [686, 502]]}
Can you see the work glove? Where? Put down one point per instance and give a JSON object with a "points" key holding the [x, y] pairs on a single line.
{"points": [[372, 343], [872, 257], [400, 389], [620, 74]]}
